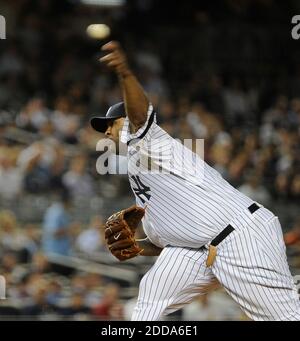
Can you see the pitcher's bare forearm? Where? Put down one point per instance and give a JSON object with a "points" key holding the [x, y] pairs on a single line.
{"points": [[135, 99], [149, 249], [136, 102]]}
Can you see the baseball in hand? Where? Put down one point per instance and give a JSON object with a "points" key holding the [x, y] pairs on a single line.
{"points": [[98, 31]]}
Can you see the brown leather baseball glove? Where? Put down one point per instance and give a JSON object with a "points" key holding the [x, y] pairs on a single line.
{"points": [[120, 230]]}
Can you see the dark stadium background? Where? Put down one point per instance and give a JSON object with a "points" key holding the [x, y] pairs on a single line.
{"points": [[226, 71]]}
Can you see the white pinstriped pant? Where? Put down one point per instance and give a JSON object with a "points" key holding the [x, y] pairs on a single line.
{"points": [[251, 265]]}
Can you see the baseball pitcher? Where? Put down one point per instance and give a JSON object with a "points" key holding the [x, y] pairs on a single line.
{"points": [[205, 232]]}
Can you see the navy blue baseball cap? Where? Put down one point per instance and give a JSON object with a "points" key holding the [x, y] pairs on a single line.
{"points": [[99, 123]]}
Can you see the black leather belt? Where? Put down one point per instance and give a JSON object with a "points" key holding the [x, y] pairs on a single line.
{"points": [[221, 236]]}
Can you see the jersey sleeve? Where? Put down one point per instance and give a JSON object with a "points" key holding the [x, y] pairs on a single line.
{"points": [[127, 136]]}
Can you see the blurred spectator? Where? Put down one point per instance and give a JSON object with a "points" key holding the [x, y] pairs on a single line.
{"points": [[14, 239], [54, 293], [76, 306], [40, 263], [92, 239], [293, 236], [56, 227], [221, 153], [65, 123], [282, 185], [215, 306], [42, 163], [39, 305], [11, 176], [34, 116], [254, 190], [94, 289], [110, 307], [9, 262], [79, 283], [235, 100], [77, 180], [295, 187], [274, 116]]}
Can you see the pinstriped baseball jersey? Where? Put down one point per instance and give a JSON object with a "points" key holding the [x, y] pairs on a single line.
{"points": [[188, 202], [251, 265]]}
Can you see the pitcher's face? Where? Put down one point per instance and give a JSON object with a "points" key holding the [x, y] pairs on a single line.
{"points": [[114, 128]]}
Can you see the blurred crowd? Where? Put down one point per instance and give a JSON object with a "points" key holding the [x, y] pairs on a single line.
{"points": [[51, 84], [39, 288]]}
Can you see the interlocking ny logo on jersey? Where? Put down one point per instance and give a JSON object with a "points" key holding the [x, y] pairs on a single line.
{"points": [[142, 189]]}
